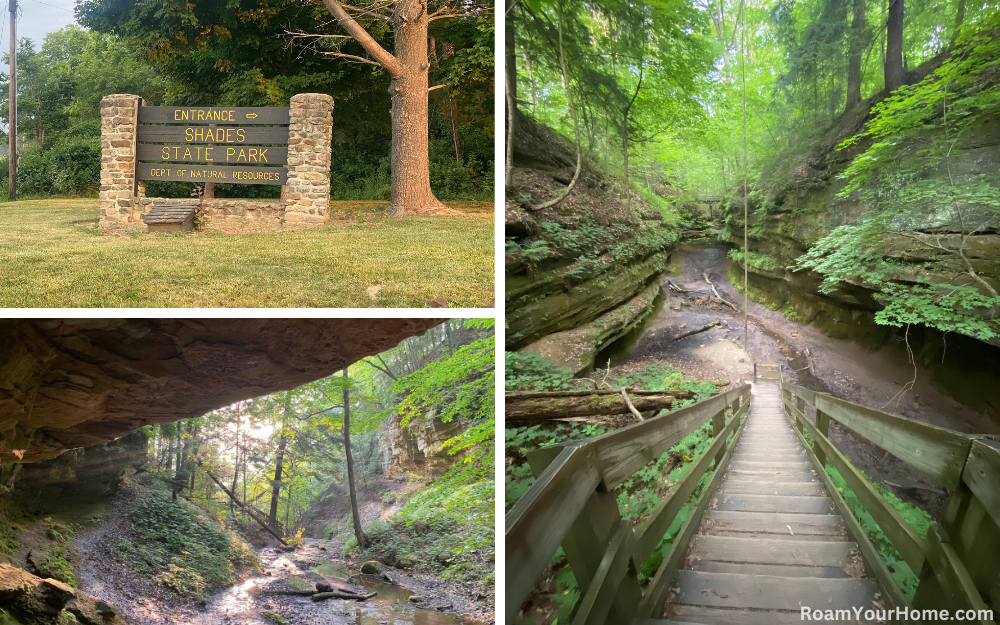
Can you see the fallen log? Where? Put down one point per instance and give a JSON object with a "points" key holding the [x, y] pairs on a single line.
{"points": [[719, 297], [297, 593], [248, 509], [322, 596], [527, 407], [674, 287], [707, 326]]}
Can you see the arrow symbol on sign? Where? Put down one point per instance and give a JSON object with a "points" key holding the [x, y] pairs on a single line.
{"points": [[251, 115]]}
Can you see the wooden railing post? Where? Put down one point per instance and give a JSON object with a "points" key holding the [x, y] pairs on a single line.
{"points": [[588, 539], [823, 425], [718, 425]]}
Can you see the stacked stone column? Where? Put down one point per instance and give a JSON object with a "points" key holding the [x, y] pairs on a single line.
{"points": [[119, 120], [306, 194]]}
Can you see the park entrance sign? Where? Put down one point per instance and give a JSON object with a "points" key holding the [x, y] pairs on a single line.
{"points": [[241, 145], [288, 146]]}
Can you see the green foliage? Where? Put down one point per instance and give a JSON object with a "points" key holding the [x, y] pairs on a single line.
{"points": [[274, 617], [178, 546], [909, 180], [529, 371], [446, 528], [460, 384], [918, 519], [52, 562], [760, 262]]}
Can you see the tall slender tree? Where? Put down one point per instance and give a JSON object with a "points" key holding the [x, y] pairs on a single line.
{"points": [[895, 74], [359, 533]]}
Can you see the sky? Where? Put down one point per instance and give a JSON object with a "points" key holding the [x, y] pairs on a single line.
{"points": [[35, 19]]}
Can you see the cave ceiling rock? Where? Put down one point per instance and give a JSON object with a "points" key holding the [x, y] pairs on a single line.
{"points": [[71, 383]]}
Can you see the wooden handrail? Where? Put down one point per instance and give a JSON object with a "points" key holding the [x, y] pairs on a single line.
{"points": [[952, 575], [572, 503]]}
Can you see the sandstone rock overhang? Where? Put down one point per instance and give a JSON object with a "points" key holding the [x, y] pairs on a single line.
{"points": [[71, 383]]}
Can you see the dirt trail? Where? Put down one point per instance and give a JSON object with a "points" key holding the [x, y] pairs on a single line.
{"points": [[840, 368], [143, 603]]}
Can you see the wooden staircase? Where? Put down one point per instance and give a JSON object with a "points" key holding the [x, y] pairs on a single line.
{"points": [[770, 542]]}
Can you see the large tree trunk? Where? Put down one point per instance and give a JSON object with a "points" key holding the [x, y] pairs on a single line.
{"points": [[544, 406], [857, 47], [355, 515], [959, 20], [895, 75], [411, 178]]}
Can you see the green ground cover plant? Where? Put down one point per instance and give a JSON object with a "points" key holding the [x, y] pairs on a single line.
{"points": [[53, 257], [177, 545], [446, 528], [639, 495]]}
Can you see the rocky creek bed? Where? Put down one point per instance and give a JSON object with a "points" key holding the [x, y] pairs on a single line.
{"points": [[845, 369], [141, 602]]}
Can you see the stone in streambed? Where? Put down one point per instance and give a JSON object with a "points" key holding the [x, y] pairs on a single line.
{"points": [[323, 587], [370, 568], [417, 599]]}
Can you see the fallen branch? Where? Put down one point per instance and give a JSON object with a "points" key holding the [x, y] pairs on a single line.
{"points": [[249, 510], [628, 402], [322, 596], [708, 326], [674, 287], [297, 593], [719, 297], [527, 407]]}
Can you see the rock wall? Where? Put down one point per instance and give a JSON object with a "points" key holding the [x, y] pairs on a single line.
{"points": [[804, 207], [416, 448], [73, 383], [591, 260]]}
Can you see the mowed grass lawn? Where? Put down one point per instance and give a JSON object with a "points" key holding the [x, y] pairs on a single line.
{"points": [[52, 256]]}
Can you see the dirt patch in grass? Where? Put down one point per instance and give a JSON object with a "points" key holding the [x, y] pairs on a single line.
{"points": [[54, 256]]}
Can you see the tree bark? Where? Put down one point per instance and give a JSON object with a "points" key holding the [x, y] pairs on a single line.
{"points": [[895, 75], [355, 515], [959, 20], [510, 78], [520, 407], [856, 50], [250, 511], [408, 86], [272, 516]]}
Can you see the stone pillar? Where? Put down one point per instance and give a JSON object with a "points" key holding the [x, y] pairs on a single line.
{"points": [[119, 121], [306, 194]]}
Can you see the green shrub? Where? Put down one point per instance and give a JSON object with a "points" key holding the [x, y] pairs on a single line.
{"points": [[531, 372], [175, 544]]}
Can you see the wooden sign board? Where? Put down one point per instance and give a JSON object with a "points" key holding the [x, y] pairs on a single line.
{"points": [[230, 154], [208, 134], [209, 173], [244, 116]]}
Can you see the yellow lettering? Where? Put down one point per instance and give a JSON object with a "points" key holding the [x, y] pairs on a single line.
{"points": [[231, 113], [165, 153], [188, 134], [229, 153], [242, 156], [208, 154], [187, 154], [262, 155], [239, 135], [229, 135], [176, 113], [201, 115]]}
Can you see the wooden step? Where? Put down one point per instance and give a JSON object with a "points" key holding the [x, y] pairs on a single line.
{"points": [[780, 570], [767, 592], [685, 614], [754, 487], [788, 476], [774, 503], [750, 464], [771, 551], [814, 524]]}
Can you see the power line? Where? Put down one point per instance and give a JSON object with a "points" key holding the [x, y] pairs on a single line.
{"points": [[53, 6]]}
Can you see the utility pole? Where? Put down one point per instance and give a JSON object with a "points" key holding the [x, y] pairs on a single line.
{"points": [[12, 136]]}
